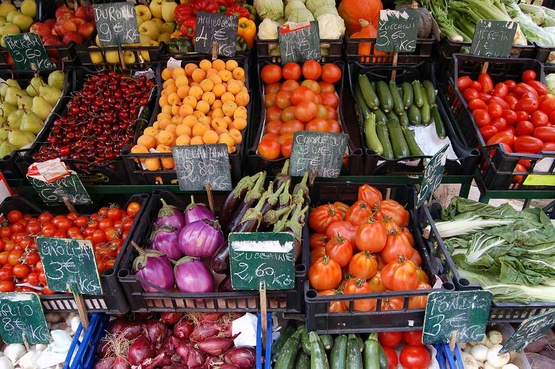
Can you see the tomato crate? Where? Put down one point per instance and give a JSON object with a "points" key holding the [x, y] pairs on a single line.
{"points": [[82, 352], [320, 317], [268, 50], [501, 312], [113, 298], [112, 172], [139, 174], [496, 166], [353, 162], [460, 161], [290, 301]]}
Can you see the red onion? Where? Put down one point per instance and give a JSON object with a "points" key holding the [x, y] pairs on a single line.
{"points": [[104, 349], [195, 212], [155, 268], [213, 362], [169, 344], [169, 216], [225, 285], [152, 363], [170, 317], [129, 329], [209, 317], [216, 345], [156, 331], [189, 355], [183, 328], [166, 240], [121, 363], [231, 366], [243, 357], [140, 350], [201, 238], [205, 330], [105, 363], [193, 276]]}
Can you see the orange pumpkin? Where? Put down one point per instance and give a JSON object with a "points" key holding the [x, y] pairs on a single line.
{"points": [[367, 31], [354, 10]]}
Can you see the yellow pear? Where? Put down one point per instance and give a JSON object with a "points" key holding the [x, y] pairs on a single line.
{"points": [[167, 11], [96, 56], [164, 37], [112, 57]]}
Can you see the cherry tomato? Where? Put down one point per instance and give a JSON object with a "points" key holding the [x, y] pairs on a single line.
{"points": [[7, 286], [463, 83], [43, 217], [482, 117], [524, 127], [486, 82], [31, 258], [477, 86], [14, 216], [18, 227], [133, 208], [21, 271], [6, 274], [33, 278], [6, 231], [539, 118], [4, 257], [528, 75]]}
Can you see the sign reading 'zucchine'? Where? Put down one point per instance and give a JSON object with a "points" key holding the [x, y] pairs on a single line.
{"points": [[116, 23], [299, 42], [27, 51], [397, 30], [493, 39], [22, 318]]}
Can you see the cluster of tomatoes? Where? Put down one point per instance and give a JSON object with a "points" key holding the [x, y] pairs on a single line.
{"points": [[363, 248], [297, 98], [412, 352], [20, 263], [520, 116]]}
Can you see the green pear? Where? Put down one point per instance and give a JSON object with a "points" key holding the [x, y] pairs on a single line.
{"points": [[6, 149], [11, 95], [20, 138], [6, 7], [34, 85], [9, 29], [14, 119], [6, 109], [4, 133], [29, 8], [3, 21], [56, 79], [30, 122], [22, 21], [41, 107], [8, 83], [10, 16], [50, 94], [24, 101]]}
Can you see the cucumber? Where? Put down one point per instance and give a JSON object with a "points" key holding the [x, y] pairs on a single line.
{"points": [[414, 115], [338, 355], [386, 100], [392, 117], [303, 361], [372, 140], [418, 93], [440, 127], [368, 92], [365, 110], [370, 355], [425, 113], [398, 107], [360, 342], [383, 136], [327, 341], [430, 91], [384, 361], [404, 119], [400, 147], [318, 357], [289, 352], [380, 116], [287, 332], [305, 344], [414, 149], [354, 356], [407, 95]]}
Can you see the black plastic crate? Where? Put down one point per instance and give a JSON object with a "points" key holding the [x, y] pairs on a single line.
{"points": [[268, 50], [290, 301], [375, 164], [113, 298], [319, 319], [111, 173], [424, 47], [496, 166], [353, 162]]}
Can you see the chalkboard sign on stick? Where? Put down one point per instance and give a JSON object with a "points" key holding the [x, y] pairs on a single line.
{"points": [[299, 42], [318, 152], [69, 264], [22, 318], [432, 176], [116, 23], [219, 28], [69, 188], [493, 39], [464, 312], [198, 165], [530, 330], [397, 31], [262, 257], [27, 51]]}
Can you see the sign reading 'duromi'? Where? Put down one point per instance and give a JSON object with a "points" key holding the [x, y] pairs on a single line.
{"points": [[68, 188], [262, 256], [299, 42], [530, 330], [219, 28], [493, 39], [198, 165], [69, 264], [432, 176], [27, 51], [465, 312], [397, 30], [318, 152], [22, 318], [116, 23]]}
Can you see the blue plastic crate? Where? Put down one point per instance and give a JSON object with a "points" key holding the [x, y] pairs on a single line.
{"points": [[267, 364], [448, 359], [82, 352]]}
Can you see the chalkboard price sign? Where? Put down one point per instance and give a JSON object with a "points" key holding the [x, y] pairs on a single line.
{"points": [[318, 152], [262, 256], [432, 176], [397, 30], [69, 263], [465, 312], [70, 188], [116, 23], [219, 28], [27, 51], [493, 39], [22, 318], [198, 165], [299, 42], [530, 330]]}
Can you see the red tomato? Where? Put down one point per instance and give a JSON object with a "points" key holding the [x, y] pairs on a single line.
{"points": [[527, 144], [511, 99], [317, 125], [14, 216], [477, 86], [500, 101], [499, 123], [291, 126], [300, 94], [291, 71], [286, 148], [311, 69], [288, 114], [476, 104], [546, 134], [538, 86], [470, 93], [6, 274], [327, 87], [548, 147], [273, 126], [331, 73], [15, 257], [547, 104], [413, 338], [305, 111], [270, 73], [269, 149], [312, 84], [500, 90], [505, 137], [494, 110], [522, 115], [539, 118], [371, 237], [273, 113], [390, 339], [486, 82], [511, 84], [43, 217], [484, 96], [524, 128], [510, 116], [330, 99], [32, 258], [482, 117], [21, 271], [415, 357], [7, 286], [283, 99], [519, 168], [392, 359], [289, 85], [272, 88], [334, 126], [463, 83], [488, 131], [522, 88], [33, 279], [527, 104], [528, 75]]}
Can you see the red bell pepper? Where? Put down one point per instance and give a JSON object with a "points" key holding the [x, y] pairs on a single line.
{"points": [[238, 10], [208, 6], [189, 28], [183, 12]]}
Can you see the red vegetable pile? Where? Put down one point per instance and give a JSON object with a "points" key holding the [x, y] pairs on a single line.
{"points": [[173, 340], [413, 355]]}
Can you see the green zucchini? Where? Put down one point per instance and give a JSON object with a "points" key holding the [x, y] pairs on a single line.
{"points": [[425, 113], [407, 95], [400, 147], [318, 357], [303, 361], [289, 352], [338, 355], [305, 344], [414, 115], [383, 136], [372, 140], [365, 110], [418, 93], [327, 341], [384, 361], [354, 356], [404, 119], [386, 100], [287, 332], [370, 355], [380, 116], [430, 91], [414, 149], [370, 96], [392, 117], [360, 342], [398, 107], [440, 127]]}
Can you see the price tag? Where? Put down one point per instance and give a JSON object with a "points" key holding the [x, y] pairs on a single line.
{"points": [[199, 165], [116, 23], [69, 264], [493, 39], [262, 257], [530, 330], [432, 176], [69, 188], [27, 51], [318, 152], [539, 180], [22, 318], [397, 30], [299, 42], [219, 28], [464, 312]]}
